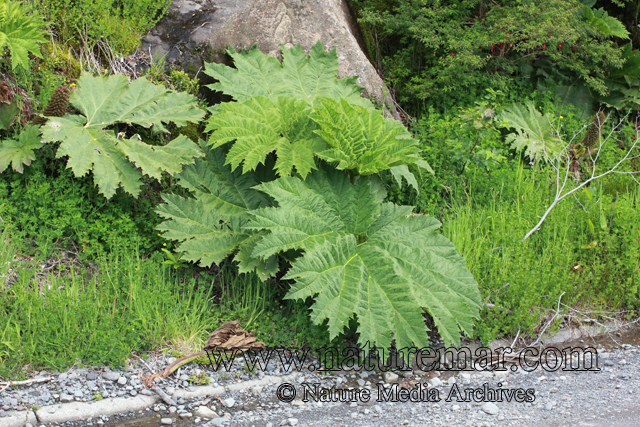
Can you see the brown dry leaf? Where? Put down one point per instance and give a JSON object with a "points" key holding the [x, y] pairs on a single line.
{"points": [[230, 336]]}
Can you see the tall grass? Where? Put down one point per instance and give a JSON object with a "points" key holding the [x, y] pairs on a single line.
{"points": [[523, 279], [99, 315]]}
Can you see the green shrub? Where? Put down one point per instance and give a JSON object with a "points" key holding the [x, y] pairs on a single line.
{"points": [[308, 195], [49, 208], [445, 53], [118, 23]]}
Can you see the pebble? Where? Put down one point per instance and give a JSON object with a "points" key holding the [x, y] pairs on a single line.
{"points": [[122, 380], [389, 377], [168, 421], [204, 412], [229, 402], [111, 376], [435, 382], [490, 408], [292, 421]]}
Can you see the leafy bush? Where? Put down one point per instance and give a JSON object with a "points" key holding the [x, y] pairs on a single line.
{"points": [[360, 259], [49, 209], [447, 52]]}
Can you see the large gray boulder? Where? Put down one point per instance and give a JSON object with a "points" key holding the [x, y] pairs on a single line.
{"points": [[193, 31]]}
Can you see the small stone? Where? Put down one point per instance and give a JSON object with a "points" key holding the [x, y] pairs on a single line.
{"points": [[204, 412], [257, 389], [64, 398], [133, 393], [172, 409], [91, 385], [122, 380], [622, 362], [361, 382], [553, 390], [455, 408], [542, 378], [292, 421], [389, 377], [186, 415], [490, 408], [549, 405], [63, 377], [167, 421], [435, 382], [111, 376], [377, 408], [451, 380], [92, 376], [78, 394], [229, 402], [28, 425]]}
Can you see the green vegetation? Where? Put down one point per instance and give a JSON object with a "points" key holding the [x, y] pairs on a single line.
{"points": [[136, 217], [118, 24]]}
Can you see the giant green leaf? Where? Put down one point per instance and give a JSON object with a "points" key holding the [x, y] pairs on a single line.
{"points": [[104, 102], [210, 226], [260, 126], [535, 133], [604, 24], [20, 152], [20, 32], [298, 76], [363, 140], [366, 259]]}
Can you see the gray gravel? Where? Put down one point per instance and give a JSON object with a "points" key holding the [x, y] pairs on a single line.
{"points": [[608, 398]]}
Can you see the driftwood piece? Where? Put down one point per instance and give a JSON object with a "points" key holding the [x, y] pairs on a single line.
{"points": [[164, 396], [228, 337]]}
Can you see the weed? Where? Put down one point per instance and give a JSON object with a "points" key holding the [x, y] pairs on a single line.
{"points": [[200, 379]]}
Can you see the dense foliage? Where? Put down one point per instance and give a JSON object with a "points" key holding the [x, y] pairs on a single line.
{"points": [[438, 49], [347, 250], [134, 216]]}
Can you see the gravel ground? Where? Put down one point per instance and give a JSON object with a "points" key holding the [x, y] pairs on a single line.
{"points": [[610, 397]]}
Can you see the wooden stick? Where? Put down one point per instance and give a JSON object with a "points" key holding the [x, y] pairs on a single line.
{"points": [[164, 396], [8, 384]]}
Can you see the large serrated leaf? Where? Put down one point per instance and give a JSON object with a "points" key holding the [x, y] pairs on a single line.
{"points": [[21, 32], [535, 133], [604, 24], [298, 76], [261, 126], [367, 259], [362, 139], [104, 102], [20, 152], [210, 226]]}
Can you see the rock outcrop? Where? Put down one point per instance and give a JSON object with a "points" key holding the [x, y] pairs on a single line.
{"points": [[201, 30]]}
